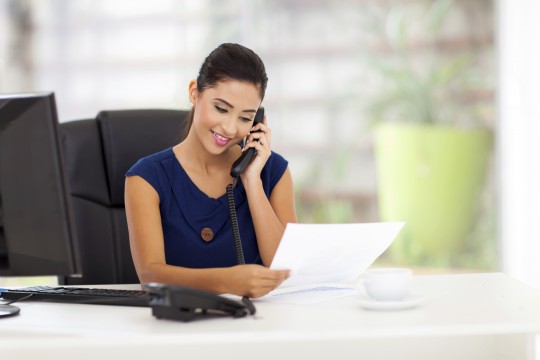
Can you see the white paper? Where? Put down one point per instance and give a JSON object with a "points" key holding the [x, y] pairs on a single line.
{"points": [[331, 253], [310, 294]]}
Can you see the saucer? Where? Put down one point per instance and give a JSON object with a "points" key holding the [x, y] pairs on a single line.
{"points": [[409, 302], [8, 310]]}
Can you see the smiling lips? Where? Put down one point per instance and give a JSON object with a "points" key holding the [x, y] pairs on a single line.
{"points": [[220, 139]]}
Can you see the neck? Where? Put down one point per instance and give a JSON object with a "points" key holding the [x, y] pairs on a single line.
{"points": [[194, 156]]}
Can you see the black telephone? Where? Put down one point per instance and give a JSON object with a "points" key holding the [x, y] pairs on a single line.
{"points": [[243, 161], [185, 304]]}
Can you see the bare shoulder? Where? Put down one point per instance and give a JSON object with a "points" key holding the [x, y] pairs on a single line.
{"points": [[282, 199], [137, 187]]}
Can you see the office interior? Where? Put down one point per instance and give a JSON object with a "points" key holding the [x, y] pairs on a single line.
{"points": [[332, 67]]}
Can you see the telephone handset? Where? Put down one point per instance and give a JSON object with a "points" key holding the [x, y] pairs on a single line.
{"points": [[243, 161]]}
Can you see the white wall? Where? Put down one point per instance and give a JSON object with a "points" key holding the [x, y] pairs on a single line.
{"points": [[519, 138]]}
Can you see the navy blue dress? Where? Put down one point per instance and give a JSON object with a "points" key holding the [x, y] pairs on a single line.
{"points": [[189, 216]]}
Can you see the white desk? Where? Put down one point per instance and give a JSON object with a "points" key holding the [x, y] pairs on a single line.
{"points": [[477, 316]]}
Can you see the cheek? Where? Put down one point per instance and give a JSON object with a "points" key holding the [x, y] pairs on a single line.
{"points": [[204, 118], [244, 129], [242, 133]]}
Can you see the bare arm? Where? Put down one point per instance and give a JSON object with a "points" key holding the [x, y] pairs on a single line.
{"points": [[270, 216], [148, 252]]}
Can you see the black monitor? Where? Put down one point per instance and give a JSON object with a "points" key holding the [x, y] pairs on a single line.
{"points": [[37, 234]]}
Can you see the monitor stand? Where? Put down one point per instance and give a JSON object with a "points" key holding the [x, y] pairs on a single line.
{"points": [[8, 310]]}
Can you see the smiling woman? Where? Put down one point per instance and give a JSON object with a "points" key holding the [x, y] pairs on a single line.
{"points": [[175, 200], [225, 110]]}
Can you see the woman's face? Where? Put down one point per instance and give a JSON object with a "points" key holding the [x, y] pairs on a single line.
{"points": [[224, 113]]}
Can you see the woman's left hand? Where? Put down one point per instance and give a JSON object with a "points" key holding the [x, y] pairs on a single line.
{"points": [[260, 139]]}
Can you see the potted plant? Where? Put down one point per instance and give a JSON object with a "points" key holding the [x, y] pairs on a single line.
{"points": [[431, 151]]}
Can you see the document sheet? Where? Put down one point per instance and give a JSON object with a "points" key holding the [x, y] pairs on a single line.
{"points": [[331, 253], [311, 294]]}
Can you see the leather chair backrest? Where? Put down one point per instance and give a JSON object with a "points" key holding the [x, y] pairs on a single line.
{"points": [[97, 154]]}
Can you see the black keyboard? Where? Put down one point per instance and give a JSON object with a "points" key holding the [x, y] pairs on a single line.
{"points": [[78, 295]]}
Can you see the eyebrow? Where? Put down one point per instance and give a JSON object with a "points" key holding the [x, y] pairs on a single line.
{"points": [[231, 106]]}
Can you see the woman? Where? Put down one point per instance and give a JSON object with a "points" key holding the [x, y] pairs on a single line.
{"points": [[176, 205]]}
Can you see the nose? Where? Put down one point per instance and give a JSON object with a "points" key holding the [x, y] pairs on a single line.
{"points": [[229, 126]]}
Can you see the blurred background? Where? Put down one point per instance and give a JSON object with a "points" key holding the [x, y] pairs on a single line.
{"points": [[387, 110]]}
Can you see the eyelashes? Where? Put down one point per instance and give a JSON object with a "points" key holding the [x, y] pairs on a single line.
{"points": [[220, 109], [224, 111]]}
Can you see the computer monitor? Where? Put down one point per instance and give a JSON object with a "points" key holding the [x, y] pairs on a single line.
{"points": [[37, 234]]}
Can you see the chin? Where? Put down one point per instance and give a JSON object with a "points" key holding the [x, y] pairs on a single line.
{"points": [[215, 149]]}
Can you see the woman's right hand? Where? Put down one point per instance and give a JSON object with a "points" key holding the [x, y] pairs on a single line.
{"points": [[254, 280]]}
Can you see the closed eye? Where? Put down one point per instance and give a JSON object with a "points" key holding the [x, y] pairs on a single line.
{"points": [[245, 119], [220, 109]]}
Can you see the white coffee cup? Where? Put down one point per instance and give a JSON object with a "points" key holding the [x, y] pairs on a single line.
{"points": [[388, 284]]}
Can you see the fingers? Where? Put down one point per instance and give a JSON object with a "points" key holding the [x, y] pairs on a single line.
{"points": [[264, 273], [260, 138], [262, 127], [271, 280], [277, 274], [263, 280], [260, 131], [263, 289]]}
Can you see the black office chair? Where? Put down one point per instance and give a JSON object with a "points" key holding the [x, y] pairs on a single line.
{"points": [[97, 154]]}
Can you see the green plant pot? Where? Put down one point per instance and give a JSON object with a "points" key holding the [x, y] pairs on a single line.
{"points": [[430, 177]]}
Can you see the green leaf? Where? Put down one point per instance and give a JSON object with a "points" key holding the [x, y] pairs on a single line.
{"points": [[396, 31], [436, 14], [450, 70]]}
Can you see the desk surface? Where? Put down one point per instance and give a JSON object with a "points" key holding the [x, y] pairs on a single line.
{"points": [[485, 306]]}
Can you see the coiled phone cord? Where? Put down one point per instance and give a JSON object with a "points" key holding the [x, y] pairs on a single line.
{"points": [[234, 224], [237, 240]]}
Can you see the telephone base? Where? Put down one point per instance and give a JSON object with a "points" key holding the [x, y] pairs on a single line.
{"points": [[186, 304]]}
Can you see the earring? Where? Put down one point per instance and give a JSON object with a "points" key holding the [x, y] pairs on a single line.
{"points": [[191, 104]]}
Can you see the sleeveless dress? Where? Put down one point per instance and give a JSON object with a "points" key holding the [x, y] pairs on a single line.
{"points": [[196, 228]]}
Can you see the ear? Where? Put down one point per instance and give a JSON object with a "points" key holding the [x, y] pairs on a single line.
{"points": [[193, 92]]}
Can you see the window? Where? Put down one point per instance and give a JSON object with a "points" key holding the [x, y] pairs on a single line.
{"points": [[320, 57]]}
